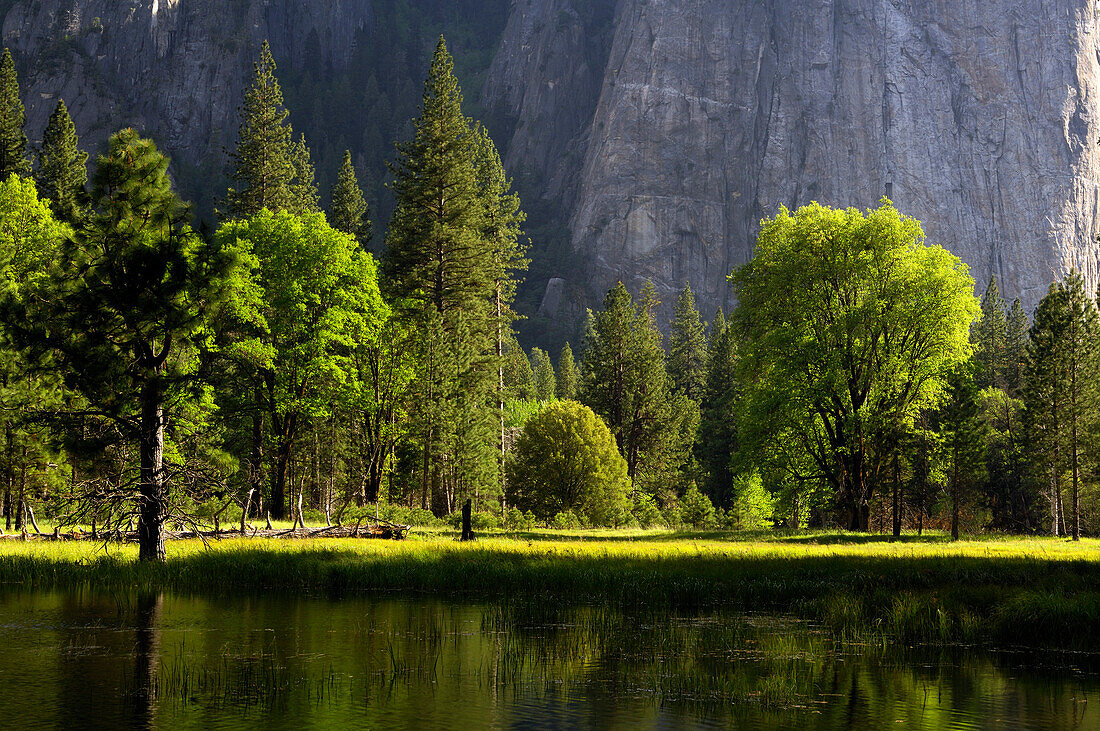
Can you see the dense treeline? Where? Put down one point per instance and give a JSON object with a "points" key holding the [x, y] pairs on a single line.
{"points": [[272, 367]]}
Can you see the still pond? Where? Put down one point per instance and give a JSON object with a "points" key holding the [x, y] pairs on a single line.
{"points": [[251, 661]]}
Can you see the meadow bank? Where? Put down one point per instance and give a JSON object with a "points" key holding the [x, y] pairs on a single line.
{"points": [[1037, 592]]}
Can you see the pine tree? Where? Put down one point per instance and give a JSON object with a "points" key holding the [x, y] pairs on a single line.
{"points": [[990, 335], [62, 167], [1044, 397], [546, 383], [687, 357], [134, 294], [1015, 348], [624, 378], [303, 190], [452, 279], [963, 435], [1082, 328], [349, 209], [718, 425], [567, 374], [501, 231], [13, 138], [264, 161]]}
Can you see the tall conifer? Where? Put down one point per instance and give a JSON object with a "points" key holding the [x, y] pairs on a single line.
{"points": [[62, 166], [447, 263], [718, 426], [349, 208], [567, 374], [990, 335], [13, 138], [687, 356], [546, 382], [303, 189], [263, 163]]}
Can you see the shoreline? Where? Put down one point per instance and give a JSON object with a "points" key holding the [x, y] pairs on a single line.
{"points": [[1035, 592]]}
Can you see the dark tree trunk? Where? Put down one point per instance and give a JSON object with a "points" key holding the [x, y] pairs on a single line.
{"points": [[256, 455], [152, 487], [9, 475], [955, 493], [897, 499], [1074, 455], [467, 522]]}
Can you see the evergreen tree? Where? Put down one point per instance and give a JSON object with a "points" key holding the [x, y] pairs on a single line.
{"points": [[303, 190], [1015, 348], [1044, 397], [349, 208], [990, 335], [1082, 328], [623, 378], [13, 138], [546, 383], [453, 279], [132, 297], [62, 167], [519, 377], [963, 433], [687, 357], [567, 374], [501, 231], [264, 163], [718, 423]]}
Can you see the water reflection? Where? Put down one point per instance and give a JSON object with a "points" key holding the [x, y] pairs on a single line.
{"points": [[164, 661], [146, 658]]}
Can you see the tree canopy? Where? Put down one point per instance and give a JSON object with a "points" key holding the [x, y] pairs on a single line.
{"points": [[850, 324], [566, 459]]}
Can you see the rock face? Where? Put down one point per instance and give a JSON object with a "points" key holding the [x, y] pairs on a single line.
{"points": [[174, 69], [976, 116], [657, 133]]}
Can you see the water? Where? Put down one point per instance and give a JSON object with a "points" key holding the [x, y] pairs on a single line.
{"points": [[163, 661]]}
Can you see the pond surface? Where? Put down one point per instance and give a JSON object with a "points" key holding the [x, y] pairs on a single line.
{"points": [[178, 662]]}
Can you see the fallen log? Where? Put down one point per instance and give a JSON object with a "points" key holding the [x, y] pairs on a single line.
{"points": [[383, 530]]}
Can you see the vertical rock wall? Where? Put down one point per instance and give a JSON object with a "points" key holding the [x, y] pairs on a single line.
{"points": [[978, 116]]}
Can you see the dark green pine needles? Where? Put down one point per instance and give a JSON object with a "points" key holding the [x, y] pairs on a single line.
{"points": [[62, 167], [271, 169], [349, 208], [13, 139]]}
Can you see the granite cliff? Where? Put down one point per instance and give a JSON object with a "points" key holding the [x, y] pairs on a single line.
{"points": [[648, 137]]}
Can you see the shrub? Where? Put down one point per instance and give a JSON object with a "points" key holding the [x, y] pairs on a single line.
{"points": [[565, 460], [566, 520], [696, 508], [645, 510], [514, 519]]}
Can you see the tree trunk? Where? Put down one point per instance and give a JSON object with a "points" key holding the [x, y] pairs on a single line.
{"points": [[153, 492], [9, 475], [21, 514], [256, 456], [955, 492], [467, 522], [500, 402], [1074, 454], [897, 499]]}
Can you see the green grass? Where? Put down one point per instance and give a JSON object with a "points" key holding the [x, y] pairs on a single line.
{"points": [[1034, 591]]}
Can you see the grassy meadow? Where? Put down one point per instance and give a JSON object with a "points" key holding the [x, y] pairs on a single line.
{"points": [[1004, 591]]}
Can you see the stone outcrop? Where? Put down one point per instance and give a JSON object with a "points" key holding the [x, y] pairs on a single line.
{"points": [[976, 116], [657, 133], [174, 69]]}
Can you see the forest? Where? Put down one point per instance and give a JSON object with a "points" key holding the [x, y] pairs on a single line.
{"points": [[270, 368]]}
